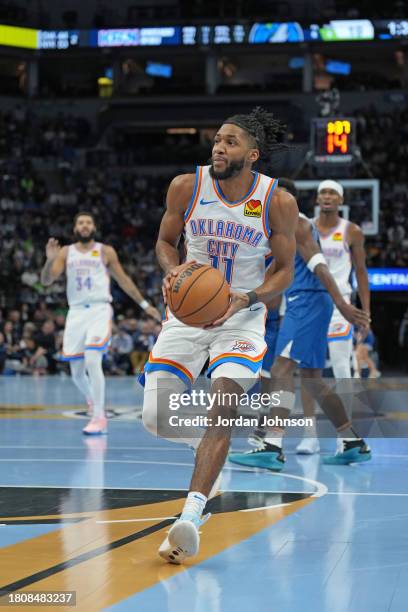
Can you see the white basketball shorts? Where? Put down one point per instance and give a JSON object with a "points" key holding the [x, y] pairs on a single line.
{"points": [[87, 328], [183, 350], [339, 328]]}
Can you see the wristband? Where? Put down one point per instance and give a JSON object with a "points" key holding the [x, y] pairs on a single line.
{"points": [[315, 261], [144, 304], [252, 298]]}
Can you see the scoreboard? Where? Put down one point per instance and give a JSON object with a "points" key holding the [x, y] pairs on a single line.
{"points": [[333, 140]]}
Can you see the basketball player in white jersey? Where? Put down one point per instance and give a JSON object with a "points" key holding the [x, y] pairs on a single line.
{"points": [[88, 266], [342, 244], [232, 217]]}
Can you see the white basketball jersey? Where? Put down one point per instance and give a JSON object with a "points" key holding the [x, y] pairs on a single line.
{"points": [[230, 236], [337, 253], [88, 281]]}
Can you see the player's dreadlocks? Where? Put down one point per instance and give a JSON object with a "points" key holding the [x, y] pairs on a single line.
{"points": [[264, 129]]}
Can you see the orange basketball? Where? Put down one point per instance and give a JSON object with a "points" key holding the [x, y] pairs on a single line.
{"points": [[199, 295]]}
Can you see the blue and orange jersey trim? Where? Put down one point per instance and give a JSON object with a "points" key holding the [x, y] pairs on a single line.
{"points": [[101, 345], [168, 365], [67, 357], [344, 335], [224, 200], [253, 363], [268, 259], [196, 192], [265, 211]]}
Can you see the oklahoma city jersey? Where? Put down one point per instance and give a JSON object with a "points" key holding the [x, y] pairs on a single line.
{"points": [[337, 254], [88, 281], [230, 236]]}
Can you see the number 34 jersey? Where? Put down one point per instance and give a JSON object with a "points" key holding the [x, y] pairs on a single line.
{"points": [[88, 280], [230, 236]]}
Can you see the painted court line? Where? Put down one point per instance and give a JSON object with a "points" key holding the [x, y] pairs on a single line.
{"points": [[138, 520]]}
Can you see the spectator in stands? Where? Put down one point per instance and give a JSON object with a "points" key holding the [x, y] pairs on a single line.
{"points": [[121, 348]]}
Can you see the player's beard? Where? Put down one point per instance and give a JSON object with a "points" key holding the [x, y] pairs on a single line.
{"points": [[232, 169], [85, 239]]}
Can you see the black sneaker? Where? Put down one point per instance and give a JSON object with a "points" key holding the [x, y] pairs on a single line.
{"points": [[354, 451]]}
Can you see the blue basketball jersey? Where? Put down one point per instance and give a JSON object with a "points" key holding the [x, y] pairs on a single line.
{"points": [[304, 279]]}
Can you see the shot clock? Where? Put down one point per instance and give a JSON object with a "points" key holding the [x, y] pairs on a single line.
{"points": [[333, 140]]}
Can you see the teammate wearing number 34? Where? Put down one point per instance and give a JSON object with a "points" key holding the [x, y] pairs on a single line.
{"points": [[88, 266]]}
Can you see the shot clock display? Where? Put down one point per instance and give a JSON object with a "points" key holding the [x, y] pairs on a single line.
{"points": [[333, 140]]}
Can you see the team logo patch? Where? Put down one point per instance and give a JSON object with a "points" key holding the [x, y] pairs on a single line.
{"points": [[243, 346], [337, 327], [95, 253], [253, 208], [96, 339], [337, 236]]}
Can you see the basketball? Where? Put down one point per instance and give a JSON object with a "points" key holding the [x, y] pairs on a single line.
{"points": [[199, 295]]}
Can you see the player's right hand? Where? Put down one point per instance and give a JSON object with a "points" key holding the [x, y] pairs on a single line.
{"points": [[173, 272], [53, 248], [354, 315]]}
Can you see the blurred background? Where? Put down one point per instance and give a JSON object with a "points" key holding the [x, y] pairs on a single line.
{"points": [[102, 104]]}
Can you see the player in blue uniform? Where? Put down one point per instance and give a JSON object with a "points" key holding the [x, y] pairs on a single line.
{"points": [[302, 342]]}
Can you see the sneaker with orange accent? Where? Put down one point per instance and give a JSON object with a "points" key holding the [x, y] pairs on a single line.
{"points": [[97, 426]]}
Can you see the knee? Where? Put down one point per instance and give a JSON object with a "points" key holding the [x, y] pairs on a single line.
{"points": [[282, 367], [158, 386], [149, 414], [93, 358], [77, 371]]}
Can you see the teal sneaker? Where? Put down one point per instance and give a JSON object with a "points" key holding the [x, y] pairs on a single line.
{"points": [[266, 456], [354, 451]]}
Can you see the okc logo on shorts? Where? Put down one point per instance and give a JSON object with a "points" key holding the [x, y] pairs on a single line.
{"points": [[337, 327], [243, 346], [253, 208], [96, 339]]}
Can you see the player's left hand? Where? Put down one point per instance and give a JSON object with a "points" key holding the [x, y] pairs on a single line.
{"points": [[151, 311], [354, 315], [238, 302]]}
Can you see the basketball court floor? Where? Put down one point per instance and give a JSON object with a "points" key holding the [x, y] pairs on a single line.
{"points": [[88, 514]]}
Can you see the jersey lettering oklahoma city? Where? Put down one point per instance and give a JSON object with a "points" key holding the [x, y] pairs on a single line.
{"points": [[230, 236]]}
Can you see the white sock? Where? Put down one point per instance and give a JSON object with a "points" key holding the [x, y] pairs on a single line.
{"points": [[347, 434], [309, 431], [93, 364], [275, 440], [194, 505]]}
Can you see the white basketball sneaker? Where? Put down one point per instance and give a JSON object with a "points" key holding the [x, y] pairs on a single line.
{"points": [[308, 446], [183, 539]]}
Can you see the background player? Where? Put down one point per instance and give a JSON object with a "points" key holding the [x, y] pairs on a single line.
{"points": [[342, 243], [363, 347], [227, 207], [88, 265], [302, 342]]}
